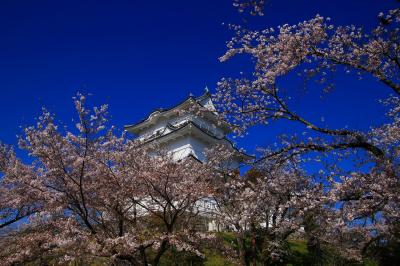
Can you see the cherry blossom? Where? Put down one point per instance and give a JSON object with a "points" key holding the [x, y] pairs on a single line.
{"points": [[92, 194], [256, 7], [361, 203], [268, 205]]}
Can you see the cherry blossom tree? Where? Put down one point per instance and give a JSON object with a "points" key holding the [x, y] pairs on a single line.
{"points": [[169, 193], [16, 202], [267, 205], [364, 202], [93, 194], [371, 199]]}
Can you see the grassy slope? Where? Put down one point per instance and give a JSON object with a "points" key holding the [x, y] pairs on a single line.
{"points": [[297, 248]]}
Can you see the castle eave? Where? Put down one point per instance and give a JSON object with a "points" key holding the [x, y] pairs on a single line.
{"points": [[191, 129]]}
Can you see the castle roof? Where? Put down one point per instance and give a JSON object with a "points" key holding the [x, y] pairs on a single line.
{"points": [[190, 102]]}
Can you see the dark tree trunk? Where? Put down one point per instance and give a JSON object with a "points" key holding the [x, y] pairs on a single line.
{"points": [[254, 250], [143, 255], [314, 249], [242, 249], [161, 251]]}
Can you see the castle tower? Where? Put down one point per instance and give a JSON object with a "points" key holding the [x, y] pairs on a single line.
{"points": [[186, 129]]}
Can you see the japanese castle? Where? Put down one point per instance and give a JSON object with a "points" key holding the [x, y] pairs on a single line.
{"points": [[187, 129]]}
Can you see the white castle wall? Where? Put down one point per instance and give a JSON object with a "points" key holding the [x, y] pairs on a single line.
{"points": [[182, 146]]}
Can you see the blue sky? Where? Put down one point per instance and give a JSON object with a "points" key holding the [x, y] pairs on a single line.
{"points": [[140, 55]]}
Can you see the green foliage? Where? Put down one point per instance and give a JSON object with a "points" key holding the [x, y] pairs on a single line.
{"points": [[299, 247], [298, 253], [215, 259]]}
